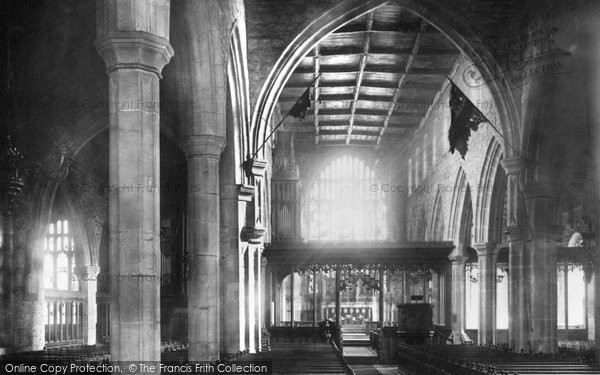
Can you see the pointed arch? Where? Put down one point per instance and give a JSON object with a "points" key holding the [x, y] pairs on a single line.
{"points": [[238, 95], [437, 225], [489, 205], [459, 195], [451, 23]]}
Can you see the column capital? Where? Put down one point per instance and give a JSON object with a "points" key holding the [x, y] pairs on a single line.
{"points": [[209, 145], [253, 235], [88, 273], [486, 248], [513, 166], [246, 192], [457, 258], [134, 50]]}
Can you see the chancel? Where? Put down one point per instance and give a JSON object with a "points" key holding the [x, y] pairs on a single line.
{"points": [[273, 185]]}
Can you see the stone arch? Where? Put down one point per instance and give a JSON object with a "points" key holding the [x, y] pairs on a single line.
{"points": [[238, 95], [490, 195], [460, 194], [451, 23], [437, 226]]}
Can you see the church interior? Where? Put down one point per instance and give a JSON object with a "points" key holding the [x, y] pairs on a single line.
{"points": [[333, 187]]}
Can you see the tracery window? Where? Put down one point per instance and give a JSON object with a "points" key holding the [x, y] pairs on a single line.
{"points": [[59, 258], [345, 203], [64, 301]]}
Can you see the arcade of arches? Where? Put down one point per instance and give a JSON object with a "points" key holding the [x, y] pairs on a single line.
{"points": [[130, 217]]}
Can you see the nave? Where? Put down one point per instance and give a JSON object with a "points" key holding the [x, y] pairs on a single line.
{"points": [[205, 179]]}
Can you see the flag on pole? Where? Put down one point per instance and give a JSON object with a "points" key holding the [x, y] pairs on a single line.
{"points": [[302, 105], [465, 116]]}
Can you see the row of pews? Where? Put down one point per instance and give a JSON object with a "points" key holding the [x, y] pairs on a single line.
{"points": [[87, 354], [302, 358], [477, 360]]}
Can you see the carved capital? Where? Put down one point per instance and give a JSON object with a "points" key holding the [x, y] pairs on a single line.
{"points": [[486, 249], [246, 192], [513, 166], [208, 145], [457, 258], [134, 50], [253, 235]]}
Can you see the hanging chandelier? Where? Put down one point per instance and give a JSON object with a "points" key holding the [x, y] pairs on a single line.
{"points": [[11, 173]]}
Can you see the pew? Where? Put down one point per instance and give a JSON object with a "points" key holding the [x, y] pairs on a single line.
{"points": [[473, 359]]}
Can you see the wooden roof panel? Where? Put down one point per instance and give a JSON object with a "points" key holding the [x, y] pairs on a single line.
{"points": [[355, 94]]}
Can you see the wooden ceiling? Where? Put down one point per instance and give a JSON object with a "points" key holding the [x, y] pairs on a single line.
{"points": [[378, 76]]}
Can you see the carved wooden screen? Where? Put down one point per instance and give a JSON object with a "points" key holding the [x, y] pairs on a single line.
{"points": [[345, 203]]}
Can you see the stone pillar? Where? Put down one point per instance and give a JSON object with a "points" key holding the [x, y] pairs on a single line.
{"points": [[250, 298], [134, 59], [314, 298], [266, 300], [381, 298], [7, 296], [203, 152], [542, 262], [518, 300], [292, 291], [259, 297], [232, 269], [486, 258], [88, 284], [338, 312], [458, 296]]}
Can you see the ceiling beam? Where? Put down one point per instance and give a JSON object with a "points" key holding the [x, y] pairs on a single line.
{"points": [[407, 68], [384, 50], [361, 69], [371, 68], [316, 96]]}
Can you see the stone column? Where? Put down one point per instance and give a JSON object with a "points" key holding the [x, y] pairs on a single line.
{"points": [[134, 58], [258, 293], [314, 298], [458, 296], [518, 300], [89, 286], [381, 298], [7, 296], [250, 298], [232, 269], [337, 298], [203, 153], [542, 260], [486, 258], [292, 291]]}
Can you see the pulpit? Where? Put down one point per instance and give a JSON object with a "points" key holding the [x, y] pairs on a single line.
{"points": [[415, 322]]}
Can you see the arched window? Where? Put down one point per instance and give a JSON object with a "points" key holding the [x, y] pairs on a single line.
{"points": [[64, 301], [344, 206], [572, 292], [59, 258]]}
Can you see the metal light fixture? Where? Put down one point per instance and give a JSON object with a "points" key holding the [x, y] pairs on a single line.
{"points": [[11, 174]]}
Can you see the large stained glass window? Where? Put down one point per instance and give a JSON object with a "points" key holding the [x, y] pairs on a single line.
{"points": [[346, 203]]}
